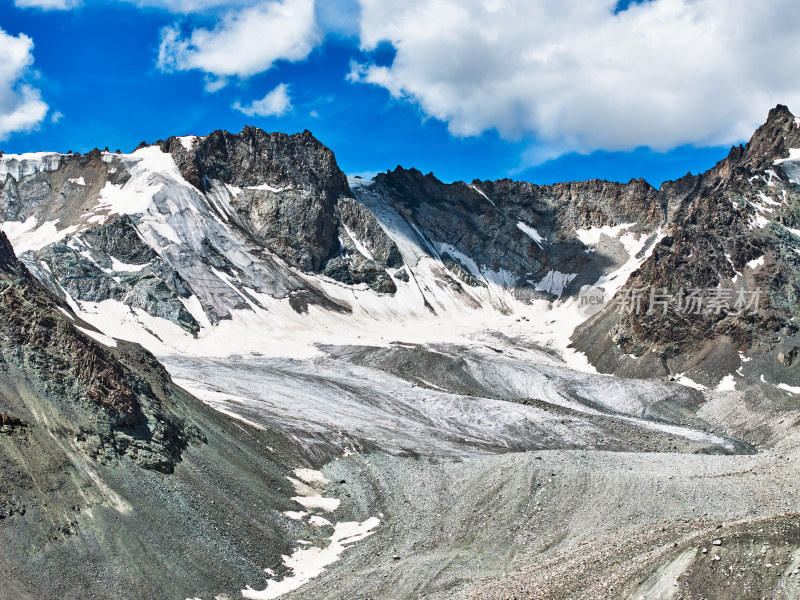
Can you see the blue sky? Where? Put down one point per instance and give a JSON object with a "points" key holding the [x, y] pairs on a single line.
{"points": [[539, 91]]}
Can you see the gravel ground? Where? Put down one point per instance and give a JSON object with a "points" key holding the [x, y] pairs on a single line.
{"points": [[551, 524], [474, 505]]}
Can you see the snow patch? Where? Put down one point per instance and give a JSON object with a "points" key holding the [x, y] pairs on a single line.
{"points": [[121, 267], [532, 233], [728, 384], [318, 502], [124, 200], [264, 187], [591, 236], [295, 515], [755, 263], [685, 381], [465, 260], [27, 235], [311, 561], [78, 181], [187, 141], [195, 308], [761, 207], [737, 273], [308, 563], [788, 388], [359, 246], [758, 221], [311, 476], [98, 337], [794, 154]]}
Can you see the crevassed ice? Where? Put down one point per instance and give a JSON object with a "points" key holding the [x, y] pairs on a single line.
{"points": [[791, 165], [22, 165], [555, 282]]}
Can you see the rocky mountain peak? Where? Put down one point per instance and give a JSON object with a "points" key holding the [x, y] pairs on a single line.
{"points": [[254, 157], [772, 140], [291, 197], [732, 232]]}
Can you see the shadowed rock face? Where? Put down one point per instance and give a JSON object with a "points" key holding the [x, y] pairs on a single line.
{"points": [[742, 211], [84, 268], [352, 266]]}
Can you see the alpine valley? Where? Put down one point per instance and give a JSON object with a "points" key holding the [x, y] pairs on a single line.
{"points": [[229, 370]]}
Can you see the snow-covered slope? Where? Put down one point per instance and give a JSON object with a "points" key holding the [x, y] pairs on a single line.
{"points": [[145, 255], [148, 256]]}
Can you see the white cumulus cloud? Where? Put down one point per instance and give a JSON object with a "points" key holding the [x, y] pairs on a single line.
{"points": [[21, 105], [275, 104], [578, 77], [47, 4], [244, 42]]}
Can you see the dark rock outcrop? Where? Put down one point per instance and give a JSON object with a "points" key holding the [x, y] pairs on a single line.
{"points": [[292, 199], [298, 223], [490, 222], [111, 262]]}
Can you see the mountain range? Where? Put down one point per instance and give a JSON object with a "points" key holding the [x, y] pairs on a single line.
{"points": [[230, 370]]}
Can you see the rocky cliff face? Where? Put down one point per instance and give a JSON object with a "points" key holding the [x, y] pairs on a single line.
{"points": [[519, 232], [291, 198], [110, 471], [209, 217], [111, 262], [108, 410], [732, 229], [289, 187]]}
